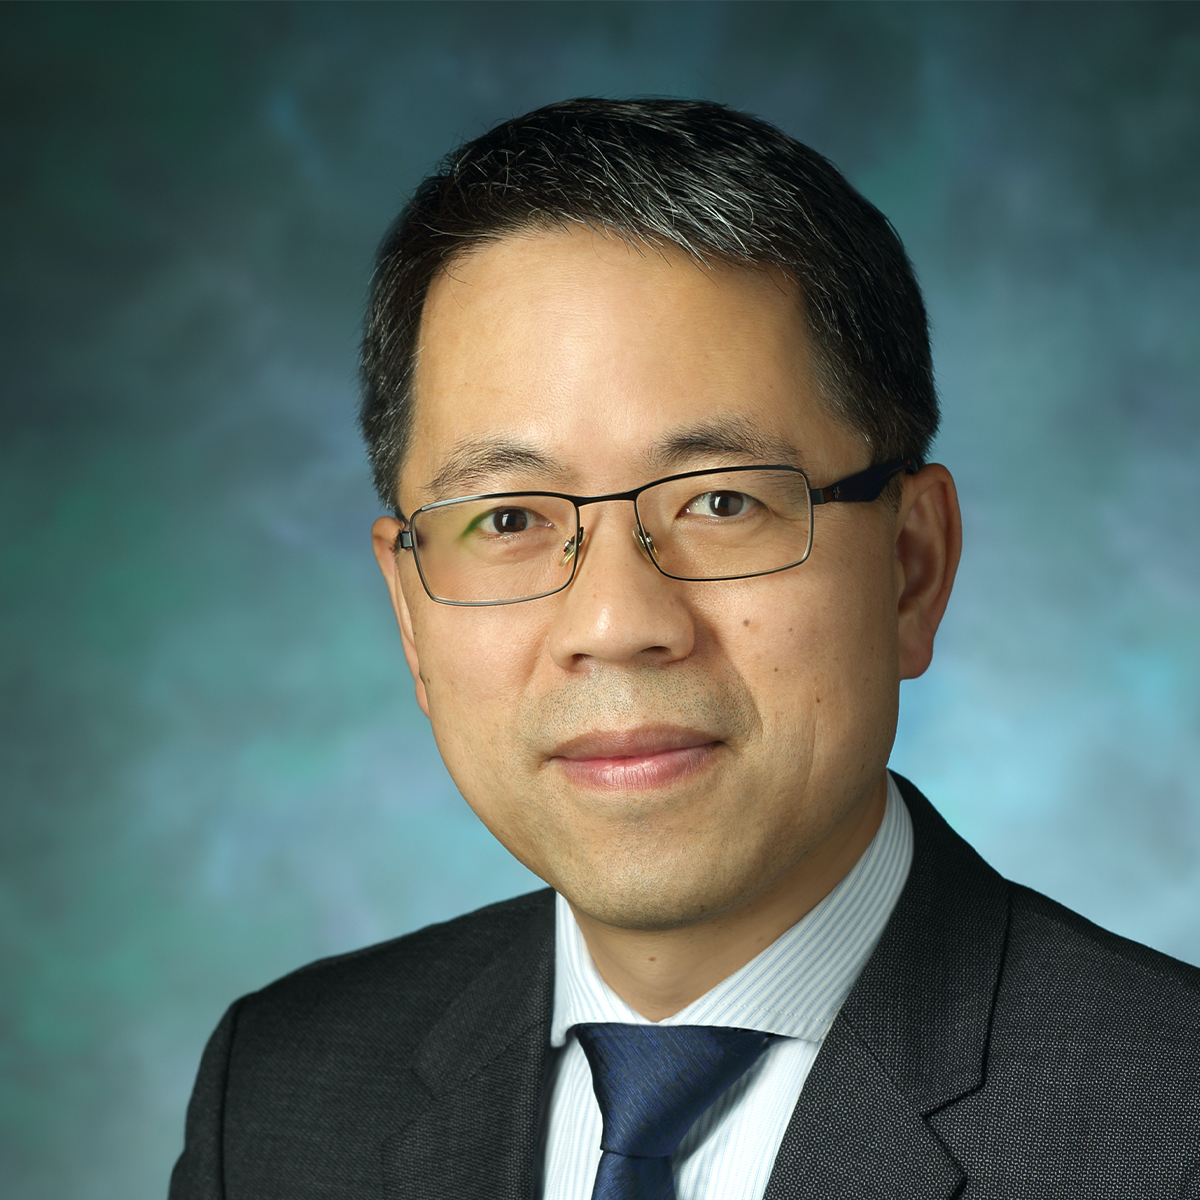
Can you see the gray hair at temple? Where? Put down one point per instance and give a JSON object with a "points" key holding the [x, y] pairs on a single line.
{"points": [[721, 185]]}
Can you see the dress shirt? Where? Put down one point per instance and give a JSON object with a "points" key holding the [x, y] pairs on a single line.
{"points": [[793, 988]]}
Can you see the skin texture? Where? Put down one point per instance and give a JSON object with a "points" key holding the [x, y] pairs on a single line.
{"points": [[692, 765]]}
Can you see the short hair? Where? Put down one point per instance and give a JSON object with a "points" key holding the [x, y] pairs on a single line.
{"points": [[719, 184]]}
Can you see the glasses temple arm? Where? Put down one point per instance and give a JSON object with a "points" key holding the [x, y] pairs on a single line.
{"points": [[866, 485]]}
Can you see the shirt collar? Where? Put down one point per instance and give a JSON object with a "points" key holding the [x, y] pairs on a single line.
{"points": [[796, 985]]}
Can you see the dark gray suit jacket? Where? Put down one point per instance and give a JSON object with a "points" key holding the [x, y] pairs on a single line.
{"points": [[995, 1045]]}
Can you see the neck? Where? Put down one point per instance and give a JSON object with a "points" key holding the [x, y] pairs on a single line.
{"points": [[659, 972]]}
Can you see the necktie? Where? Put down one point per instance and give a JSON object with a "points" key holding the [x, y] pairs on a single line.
{"points": [[652, 1083]]}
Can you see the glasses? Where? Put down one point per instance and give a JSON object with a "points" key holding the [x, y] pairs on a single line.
{"points": [[734, 523]]}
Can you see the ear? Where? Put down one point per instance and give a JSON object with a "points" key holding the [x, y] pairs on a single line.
{"points": [[928, 545], [384, 535]]}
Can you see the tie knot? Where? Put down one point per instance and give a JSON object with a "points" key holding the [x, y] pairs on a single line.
{"points": [[653, 1081]]}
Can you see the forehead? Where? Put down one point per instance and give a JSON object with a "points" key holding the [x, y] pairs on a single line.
{"points": [[590, 350]]}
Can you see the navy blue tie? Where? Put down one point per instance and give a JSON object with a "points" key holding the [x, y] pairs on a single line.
{"points": [[653, 1082]]}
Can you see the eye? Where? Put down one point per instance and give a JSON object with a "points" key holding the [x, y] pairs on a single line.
{"points": [[508, 520], [721, 504]]}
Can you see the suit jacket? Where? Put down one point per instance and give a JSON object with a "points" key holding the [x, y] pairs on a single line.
{"points": [[995, 1045]]}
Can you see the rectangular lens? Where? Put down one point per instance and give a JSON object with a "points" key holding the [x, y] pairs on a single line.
{"points": [[486, 551], [728, 524]]}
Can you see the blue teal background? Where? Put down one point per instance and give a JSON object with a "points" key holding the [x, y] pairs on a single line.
{"points": [[212, 766]]}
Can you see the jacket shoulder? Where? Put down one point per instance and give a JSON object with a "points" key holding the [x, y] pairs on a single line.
{"points": [[304, 1080], [1058, 962], [1092, 1081], [417, 972]]}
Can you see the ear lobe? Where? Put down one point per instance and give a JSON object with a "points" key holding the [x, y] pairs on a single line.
{"points": [[928, 546], [384, 534]]}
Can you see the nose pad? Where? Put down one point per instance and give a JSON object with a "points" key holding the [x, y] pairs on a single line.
{"points": [[645, 543], [571, 547]]}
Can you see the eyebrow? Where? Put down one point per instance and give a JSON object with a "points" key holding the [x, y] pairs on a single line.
{"points": [[723, 437], [475, 463]]}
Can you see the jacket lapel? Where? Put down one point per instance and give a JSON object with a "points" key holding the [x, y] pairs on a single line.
{"points": [[911, 1038], [483, 1069], [853, 1136]]}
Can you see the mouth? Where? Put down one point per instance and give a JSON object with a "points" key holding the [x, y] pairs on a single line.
{"points": [[649, 757]]}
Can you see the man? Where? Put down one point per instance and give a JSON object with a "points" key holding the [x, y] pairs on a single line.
{"points": [[648, 387]]}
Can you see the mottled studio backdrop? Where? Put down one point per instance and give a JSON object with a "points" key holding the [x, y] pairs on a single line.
{"points": [[212, 768]]}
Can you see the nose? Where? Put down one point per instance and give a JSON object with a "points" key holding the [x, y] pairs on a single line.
{"points": [[620, 607]]}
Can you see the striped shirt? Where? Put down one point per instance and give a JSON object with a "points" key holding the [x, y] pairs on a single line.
{"points": [[794, 988]]}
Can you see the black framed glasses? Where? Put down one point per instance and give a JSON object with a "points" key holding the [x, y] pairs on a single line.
{"points": [[730, 523]]}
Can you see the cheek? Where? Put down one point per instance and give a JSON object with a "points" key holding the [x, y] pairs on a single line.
{"points": [[475, 666], [468, 654], [857, 684], [822, 661], [479, 670]]}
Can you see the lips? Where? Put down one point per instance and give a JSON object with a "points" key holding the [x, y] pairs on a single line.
{"points": [[651, 756], [632, 743]]}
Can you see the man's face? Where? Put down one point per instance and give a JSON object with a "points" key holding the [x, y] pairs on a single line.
{"points": [[660, 752]]}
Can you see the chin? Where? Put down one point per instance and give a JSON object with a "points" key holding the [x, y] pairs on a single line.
{"points": [[659, 902]]}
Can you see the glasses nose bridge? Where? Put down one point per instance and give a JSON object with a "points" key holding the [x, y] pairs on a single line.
{"points": [[640, 537], [581, 502]]}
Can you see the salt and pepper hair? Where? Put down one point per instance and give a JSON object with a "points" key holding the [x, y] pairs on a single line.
{"points": [[722, 186]]}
